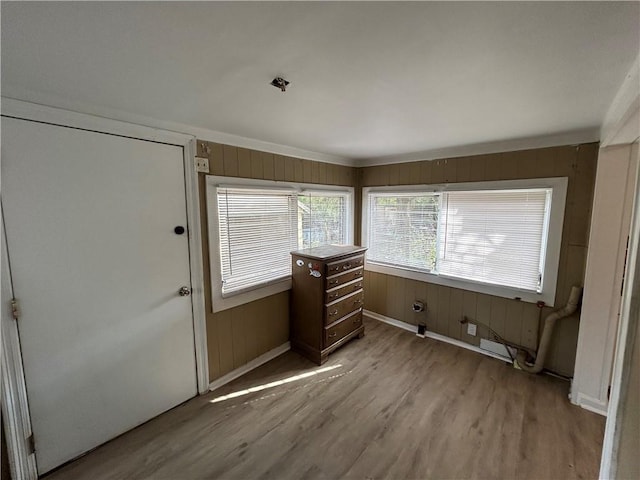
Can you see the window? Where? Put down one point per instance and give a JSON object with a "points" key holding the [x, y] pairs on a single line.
{"points": [[255, 224], [322, 218], [494, 236], [257, 232], [403, 229], [501, 238]]}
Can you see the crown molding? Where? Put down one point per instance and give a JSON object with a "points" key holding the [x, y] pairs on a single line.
{"points": [[574, 137], [37, 100], [622, 122], [51, 101]]}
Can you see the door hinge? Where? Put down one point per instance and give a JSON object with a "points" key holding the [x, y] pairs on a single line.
{"points": [[31, 444], [15, 309]]}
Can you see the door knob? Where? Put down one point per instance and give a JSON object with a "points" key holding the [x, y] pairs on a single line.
{"points": [[184, 291]]}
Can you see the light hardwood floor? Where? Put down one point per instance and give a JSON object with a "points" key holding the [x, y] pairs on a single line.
{"points": [[393, 406]]}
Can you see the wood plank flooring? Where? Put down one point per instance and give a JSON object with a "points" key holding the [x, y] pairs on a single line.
{"points": [[391, 405]]}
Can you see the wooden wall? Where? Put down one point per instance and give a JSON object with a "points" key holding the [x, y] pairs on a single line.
{"points": [[238, 335], [516, 321]]}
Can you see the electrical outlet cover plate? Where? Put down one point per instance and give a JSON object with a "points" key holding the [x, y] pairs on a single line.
{"points": [[471, 329], [202, 164]]}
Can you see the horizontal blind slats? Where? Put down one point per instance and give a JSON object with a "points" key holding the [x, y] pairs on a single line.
{"points": [[403, 229], [493, 237], [257, 233], [259, 227]]}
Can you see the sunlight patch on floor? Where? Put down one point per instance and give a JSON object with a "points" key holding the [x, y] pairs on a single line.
{"points": [[265, 386]]}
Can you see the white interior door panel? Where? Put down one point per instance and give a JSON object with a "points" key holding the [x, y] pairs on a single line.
{"points": [[107, 341]]}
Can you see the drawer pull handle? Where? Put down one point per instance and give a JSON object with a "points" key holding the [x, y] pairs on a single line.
{"points": [[334, 282], [358, 274], [334, 334], [356, 320], [356, 287], [357, 302], [346, 267], [335, 312], [333, 295]]}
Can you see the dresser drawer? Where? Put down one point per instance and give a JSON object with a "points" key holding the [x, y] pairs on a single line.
{"points": [[339, 292], [343, 278], [339, 309], [344, 265], [339, 330]]}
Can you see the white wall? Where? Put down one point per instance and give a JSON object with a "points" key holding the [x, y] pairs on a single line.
{"points": [[613, 197]]}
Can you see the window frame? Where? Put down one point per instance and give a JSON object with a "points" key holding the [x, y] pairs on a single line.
{"points": [[553, 240], [234, 299], [349, 206]]}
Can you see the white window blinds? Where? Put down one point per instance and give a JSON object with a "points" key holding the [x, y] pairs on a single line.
{"points": [[322, 219], [403, 229], [495, 237], [258, 230]]}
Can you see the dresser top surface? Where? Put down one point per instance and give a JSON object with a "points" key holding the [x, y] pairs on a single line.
{"points": [[329, 251]]}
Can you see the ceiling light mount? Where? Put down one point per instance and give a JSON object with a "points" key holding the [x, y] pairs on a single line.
{"points": [[280, 83]]}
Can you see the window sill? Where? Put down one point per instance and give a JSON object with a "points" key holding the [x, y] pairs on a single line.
{"points": [[219, 303], [496, 290]]}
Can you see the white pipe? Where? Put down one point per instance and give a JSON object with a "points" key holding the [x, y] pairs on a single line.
{"points": [[549, 324]]}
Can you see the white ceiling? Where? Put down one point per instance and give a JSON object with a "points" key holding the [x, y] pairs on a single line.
{"points": [[368, 79]]}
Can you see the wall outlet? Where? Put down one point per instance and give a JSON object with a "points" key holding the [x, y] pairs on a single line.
{"points": [[202, 164], [471, 329]]}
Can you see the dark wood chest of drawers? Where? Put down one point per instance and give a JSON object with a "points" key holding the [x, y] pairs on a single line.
{"points": [[326, 299]]}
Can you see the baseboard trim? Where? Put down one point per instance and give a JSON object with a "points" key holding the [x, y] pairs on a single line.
{"points": [[435, 336], [253, 364], [589, 403]]}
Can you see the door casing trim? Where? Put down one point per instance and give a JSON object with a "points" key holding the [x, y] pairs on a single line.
{"points": [[14, 399], [15, 405]]}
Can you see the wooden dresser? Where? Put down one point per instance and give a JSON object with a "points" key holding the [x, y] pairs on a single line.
{"points": [[326, 299]]}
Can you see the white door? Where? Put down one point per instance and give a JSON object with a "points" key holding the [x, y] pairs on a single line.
{"points": [[107, 341]]}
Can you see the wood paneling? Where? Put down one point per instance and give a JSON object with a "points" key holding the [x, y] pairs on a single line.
{"points": [[455, 313], [391, 296], [289, 169], [240, 334], [256, 165], [443, 309], [278, 167], [425, 172], [216, 161], [395, 297], [499, 315], [269, 166], [230, 159], [244, 162], [394, 406], [470, 311], [517, 321], [529, 333]]}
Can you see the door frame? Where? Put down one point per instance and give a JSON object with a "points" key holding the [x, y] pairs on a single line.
{"points": [[626, 335], [15, 405], [14, 395]]}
